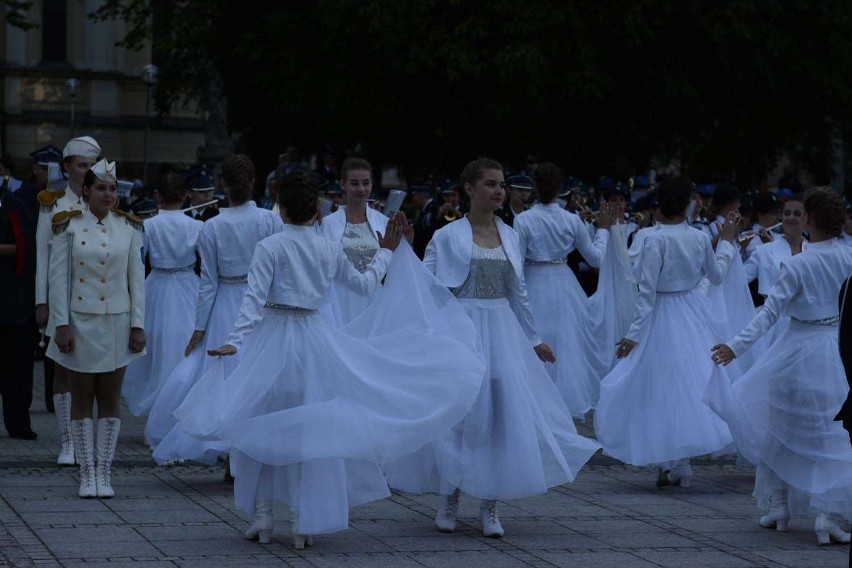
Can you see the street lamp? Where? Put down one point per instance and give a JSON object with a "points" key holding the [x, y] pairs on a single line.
{"points": [[149, 76], [72, 86]]}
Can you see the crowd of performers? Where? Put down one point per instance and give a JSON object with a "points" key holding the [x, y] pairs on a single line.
{"points": [[329, 364]]}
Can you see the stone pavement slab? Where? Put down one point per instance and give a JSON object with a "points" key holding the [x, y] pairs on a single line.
{"points": [[183, 516]]}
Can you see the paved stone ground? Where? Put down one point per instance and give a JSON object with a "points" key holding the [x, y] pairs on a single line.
{"points": [[612, 516]]}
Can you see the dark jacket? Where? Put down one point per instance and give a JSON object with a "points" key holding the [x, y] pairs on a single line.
{"points": [[17, 272], [845, 341], [425, 226]]}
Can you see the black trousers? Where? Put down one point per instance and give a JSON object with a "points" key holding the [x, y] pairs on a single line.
{"points": [[16, 376]]}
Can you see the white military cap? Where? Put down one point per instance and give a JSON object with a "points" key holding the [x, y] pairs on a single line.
{"points": [[84, 146], [105, 171]]}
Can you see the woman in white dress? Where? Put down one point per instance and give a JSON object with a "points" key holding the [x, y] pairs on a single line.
{"points": [[764, 264], [225, 246], [311, 411], [170, 290], [651, 410], [782, 411], [518, 439], [78, 156], [355, 226], [97, 299], [547, 234]]}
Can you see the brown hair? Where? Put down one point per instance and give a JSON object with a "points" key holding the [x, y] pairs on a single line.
{"points": [[548, 181], [172, 188], [475, 170], [352, 164], [298, 196], [238, 173], [825, 209]]}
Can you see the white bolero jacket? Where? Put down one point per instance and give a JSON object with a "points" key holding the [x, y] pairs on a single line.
{"points": [[448, 257]]}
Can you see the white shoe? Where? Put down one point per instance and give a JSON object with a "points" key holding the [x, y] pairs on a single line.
{"points": [[300, 541], [828, 531], [681, 474], [491, 526], [62, 405], [108, 429], [663, 479], [779, 514], [445, 519], [85, 451], [261, 525]]}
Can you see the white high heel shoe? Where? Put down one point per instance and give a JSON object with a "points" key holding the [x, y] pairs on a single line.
{"points": [[828, 531], [300, 541], [681, 474], [261, 526], [663, 479], [779, 514]]}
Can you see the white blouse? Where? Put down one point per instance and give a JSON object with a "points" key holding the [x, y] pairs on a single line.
{"points": [[296, 268], [675, 258], [765, 263], [171, 239], [549, 232], [226, 245], [807, 291]]}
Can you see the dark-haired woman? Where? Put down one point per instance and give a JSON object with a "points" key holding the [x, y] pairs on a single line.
{"points": [[78, 156], [518, 440], [170, 290], [651, 410], [565, 317], [97, 300], [310, 411], [225, 245], [355, 226], [782, 411]]}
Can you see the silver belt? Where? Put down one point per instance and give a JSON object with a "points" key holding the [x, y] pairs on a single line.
{"points": [[545, 262], [234, 279], [827, 321], [289, 308], [170, 270]]}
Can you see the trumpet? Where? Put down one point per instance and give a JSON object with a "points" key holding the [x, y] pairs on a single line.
{"points": [[587, 214], [450, 212]]}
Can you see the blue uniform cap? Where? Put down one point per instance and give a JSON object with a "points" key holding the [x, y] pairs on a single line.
{"points": [[520, 181], [200, 178], [421, 188], [47, 155]]}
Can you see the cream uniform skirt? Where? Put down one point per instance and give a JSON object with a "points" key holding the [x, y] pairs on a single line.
{"points": [[101, 343]]}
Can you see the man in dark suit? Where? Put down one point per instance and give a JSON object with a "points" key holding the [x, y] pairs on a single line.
{"points": [[426, 218], [845, 341], [201, 186], [519, 188]]}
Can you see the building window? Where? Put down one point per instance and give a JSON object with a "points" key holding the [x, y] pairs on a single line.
{"points": [[54, 34]]}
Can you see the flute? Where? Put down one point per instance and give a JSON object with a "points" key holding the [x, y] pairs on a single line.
{"points": [[767, 229], [200, 205]]}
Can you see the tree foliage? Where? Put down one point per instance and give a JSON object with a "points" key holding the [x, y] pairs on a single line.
{"points": [[599, 87]]}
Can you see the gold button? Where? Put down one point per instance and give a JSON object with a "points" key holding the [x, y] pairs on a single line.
{"points": [[81, 263], [103, 280], [102, 262], [81, 279], [102, 298], [103, 245], [85, 229], [82, 242], [103, 230], [79, 297]]}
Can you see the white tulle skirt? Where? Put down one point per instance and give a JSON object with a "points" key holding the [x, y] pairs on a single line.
{"points": [[582, 330], [733, 305], [651, 409], [172, 444], [349, 305], [518, 439], [310, 412], [169, 322], [781, 414]]}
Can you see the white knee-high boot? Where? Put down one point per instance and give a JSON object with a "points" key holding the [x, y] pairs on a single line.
{"points": [[85, 452], [828, 531], [108, 429], [261, 525], [62, 405]]}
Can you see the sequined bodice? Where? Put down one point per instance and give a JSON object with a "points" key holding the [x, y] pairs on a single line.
{"points": [[489, 275], [360, 245]]}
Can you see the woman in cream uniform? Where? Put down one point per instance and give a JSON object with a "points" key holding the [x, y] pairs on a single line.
{"points": [[97, 299], [77, 157], [355, 227]]}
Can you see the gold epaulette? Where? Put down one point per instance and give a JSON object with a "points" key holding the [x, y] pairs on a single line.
{"points": [[131, 219], [60, 220], [47, 199]]}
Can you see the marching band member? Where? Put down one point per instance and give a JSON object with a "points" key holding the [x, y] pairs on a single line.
{"points": [[97, 302], [78, 156], [782, 410]]}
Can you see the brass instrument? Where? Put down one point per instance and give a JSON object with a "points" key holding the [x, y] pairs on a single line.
{"points": [[587, 214], [451, 215]]}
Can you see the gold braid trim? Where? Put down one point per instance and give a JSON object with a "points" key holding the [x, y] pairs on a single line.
{"points": [[47, 199], [62, 219], [131, 219]]}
